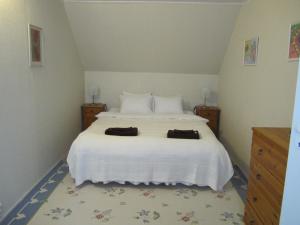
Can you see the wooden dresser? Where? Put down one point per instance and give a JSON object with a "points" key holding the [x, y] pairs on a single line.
{"points": [[211, 113], [267, 174], [89, 112]]}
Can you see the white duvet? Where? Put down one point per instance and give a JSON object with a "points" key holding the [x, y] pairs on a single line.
{"points": [[149, 157]]}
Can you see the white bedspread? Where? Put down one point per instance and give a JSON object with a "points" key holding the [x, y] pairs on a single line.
{"points": [[150, 156]]}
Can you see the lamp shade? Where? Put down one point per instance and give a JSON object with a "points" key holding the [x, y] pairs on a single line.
{"points": [[94, 91], [205, 94]]}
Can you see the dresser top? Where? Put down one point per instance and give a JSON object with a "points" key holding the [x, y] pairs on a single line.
{"points": [[280, 136]]}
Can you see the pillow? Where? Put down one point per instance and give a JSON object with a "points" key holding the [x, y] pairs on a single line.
{"points": [[136, 104], [168, 105]]}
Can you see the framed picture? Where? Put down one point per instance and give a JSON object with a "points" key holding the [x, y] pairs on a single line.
{"points": [[250, 51], [294, 42], [35, 45]]}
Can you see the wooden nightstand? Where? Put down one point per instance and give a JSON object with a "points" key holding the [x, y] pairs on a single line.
{"points": [[211, 113], [89, 112]]}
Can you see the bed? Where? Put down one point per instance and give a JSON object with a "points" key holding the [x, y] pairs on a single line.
{"points": [[149, 157]]}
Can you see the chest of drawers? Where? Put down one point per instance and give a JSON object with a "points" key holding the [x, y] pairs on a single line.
{"points": [[267, 174]]}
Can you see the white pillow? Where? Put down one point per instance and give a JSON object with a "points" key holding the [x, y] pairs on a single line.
{"points": [[136, 104], [168, 105]]}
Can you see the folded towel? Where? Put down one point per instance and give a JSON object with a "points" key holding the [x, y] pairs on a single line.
{"points": [[118, 131], [183, 134]]}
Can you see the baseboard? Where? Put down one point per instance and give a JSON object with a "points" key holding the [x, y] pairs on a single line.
{"points": [[5, 215]]}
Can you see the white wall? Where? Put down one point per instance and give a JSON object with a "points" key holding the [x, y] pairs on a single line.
{"points": [[260, 95], [152, 36], [40, 107], [166, 84]]}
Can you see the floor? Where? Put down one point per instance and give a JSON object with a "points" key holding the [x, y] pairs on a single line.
{"points": [[57, 201]]}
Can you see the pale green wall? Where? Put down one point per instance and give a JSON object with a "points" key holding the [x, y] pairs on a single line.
{"points": [[189, 86], [39, 107], [261, 95], [153, 37]]}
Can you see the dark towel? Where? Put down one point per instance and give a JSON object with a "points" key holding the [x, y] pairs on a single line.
{"points": [[130, 131], [183, 134]]}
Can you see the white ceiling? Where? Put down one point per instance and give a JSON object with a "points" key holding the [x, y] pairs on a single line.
{"points": [[154, 37]]}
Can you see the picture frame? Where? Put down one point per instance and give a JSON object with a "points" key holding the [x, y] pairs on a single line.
{"points": [[251, 51], [35, 36], [294, 42]]}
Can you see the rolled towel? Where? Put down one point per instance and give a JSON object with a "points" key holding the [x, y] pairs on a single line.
{"points": [[118, 131], [183, 134]]}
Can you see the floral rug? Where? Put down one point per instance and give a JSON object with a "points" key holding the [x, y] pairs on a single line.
{"points": [[129, 205], [56, 201]]}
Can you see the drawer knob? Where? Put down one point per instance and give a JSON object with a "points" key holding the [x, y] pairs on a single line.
{"points": [[254, 199], [252, 222], [260, 151], [258, 176]]}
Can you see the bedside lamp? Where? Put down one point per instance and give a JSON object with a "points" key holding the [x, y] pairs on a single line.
{"points": [[94, 93], [205, 94]]}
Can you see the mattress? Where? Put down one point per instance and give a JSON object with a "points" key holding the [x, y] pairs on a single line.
{"points": [[150, 157]]}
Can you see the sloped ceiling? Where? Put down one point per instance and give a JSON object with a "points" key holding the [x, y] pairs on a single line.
{"points": [[152, 36]]}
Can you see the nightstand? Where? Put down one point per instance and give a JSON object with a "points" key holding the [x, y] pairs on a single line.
{"points": [[211, 113], [89, 112]]}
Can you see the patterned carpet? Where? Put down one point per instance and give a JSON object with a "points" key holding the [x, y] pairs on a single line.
{"points": [[132, 205]]}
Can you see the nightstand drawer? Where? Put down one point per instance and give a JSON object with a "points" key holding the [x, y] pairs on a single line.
{"points": [[91, 114], [208, 114], [92, 110], [212, 125], [88, 121], [212, 120], [90, 117]]}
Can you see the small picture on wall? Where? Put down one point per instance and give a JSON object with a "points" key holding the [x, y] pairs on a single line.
{"points": [[250, 51], [35, 45], [294, 44]]}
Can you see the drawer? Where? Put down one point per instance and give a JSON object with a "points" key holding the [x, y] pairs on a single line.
{"points": [[212, 119], [90, 115], [250, 217], [213, 127], [271, 158], [262, 207], [91, 110], [208, 113], [87, 122], [266, 183], [212, 123]]}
